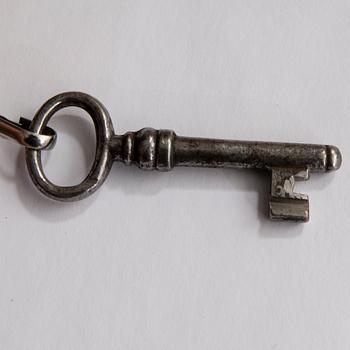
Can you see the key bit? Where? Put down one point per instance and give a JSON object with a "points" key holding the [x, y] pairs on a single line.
{"points": [[161, 150], [285, 204]]}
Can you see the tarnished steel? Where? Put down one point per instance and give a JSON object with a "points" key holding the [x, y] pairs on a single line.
{"points": [[162, 150]]}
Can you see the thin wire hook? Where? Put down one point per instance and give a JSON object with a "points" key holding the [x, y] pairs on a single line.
{"points": [[21, 134]]}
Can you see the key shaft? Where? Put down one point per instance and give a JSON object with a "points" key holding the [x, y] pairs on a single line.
{"points": [[152, 149], [162, 150]]}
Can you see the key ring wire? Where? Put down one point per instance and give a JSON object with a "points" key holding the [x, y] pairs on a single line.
{"points": [[21, 133]]}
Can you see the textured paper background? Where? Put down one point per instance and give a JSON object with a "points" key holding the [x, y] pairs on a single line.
{"points": [[187, 259]]}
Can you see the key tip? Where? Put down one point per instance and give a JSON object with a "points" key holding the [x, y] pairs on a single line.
{"points": [[334, 158]]}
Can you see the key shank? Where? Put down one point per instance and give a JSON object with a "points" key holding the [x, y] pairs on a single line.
{"points": [[152, 149], [162, 150]]}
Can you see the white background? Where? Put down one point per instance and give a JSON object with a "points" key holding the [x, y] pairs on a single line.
{"points": [[186, 259]]}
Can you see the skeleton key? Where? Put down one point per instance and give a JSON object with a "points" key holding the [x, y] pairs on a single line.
{"points": [[161, 150]]}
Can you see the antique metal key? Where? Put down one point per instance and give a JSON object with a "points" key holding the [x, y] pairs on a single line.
{"points": [[152, 149]]}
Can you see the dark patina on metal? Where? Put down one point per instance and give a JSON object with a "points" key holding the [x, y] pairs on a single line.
{"points": [[162, 150]]}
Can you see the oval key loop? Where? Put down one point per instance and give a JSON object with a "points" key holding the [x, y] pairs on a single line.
{"points": [[103, 159]]}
